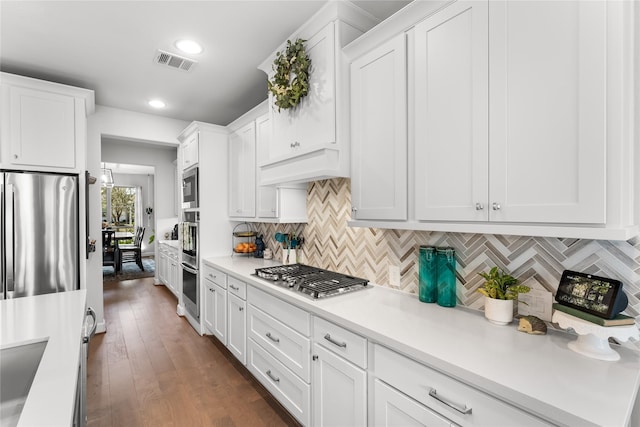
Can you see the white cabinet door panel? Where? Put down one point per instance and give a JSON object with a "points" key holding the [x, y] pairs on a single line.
{"points": [[379, 132], [316, 113], [451, 107], [237, 327], [339, 391], [43, 129], [242, 172], [547, 114], [266, 197]]}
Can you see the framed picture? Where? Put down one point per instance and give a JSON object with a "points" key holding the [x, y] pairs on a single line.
{"points": [[599, 296]]}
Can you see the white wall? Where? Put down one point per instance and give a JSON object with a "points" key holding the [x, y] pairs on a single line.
{"points": [[114, 123]]}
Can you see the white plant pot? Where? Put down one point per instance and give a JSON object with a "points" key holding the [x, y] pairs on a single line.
{"points": [[498, 311]]}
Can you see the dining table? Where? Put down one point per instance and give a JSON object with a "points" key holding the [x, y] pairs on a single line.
{"points": [[123, 235]]}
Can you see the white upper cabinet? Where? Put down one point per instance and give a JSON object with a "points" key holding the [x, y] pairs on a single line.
{"points": [[379, 132], [190, 151], [311, 124], [547, 111], [267, 203], [532, 147], [311, 141], [266, 197], [520, 120], [43, 124], [450, 118], [242, 172]]}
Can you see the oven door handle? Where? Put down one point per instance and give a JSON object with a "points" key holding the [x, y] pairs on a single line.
{"points": [[189, 268]]}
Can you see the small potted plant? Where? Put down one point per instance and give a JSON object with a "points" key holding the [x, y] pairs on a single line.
{"points": [[500, 290]]}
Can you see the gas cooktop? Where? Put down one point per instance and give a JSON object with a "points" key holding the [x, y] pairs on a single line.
{"points": [[311, 281]]}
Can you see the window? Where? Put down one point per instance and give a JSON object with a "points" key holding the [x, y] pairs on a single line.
{"points": [[118, 206]]}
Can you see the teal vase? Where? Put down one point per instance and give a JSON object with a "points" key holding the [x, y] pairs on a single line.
{"points": [[446, 272], [427, 285]]}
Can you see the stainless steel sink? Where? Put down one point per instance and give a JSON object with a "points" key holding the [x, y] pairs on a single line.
{"points": [[18, 366]]}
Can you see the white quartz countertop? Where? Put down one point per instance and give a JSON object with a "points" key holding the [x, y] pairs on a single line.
{"points": [[59, 319], [537, 373], [172, 243]]}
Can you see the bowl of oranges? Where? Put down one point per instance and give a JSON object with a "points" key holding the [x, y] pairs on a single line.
{"points": [[245, 248]]}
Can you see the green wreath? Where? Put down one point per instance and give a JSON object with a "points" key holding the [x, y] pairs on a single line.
{"points": [[290, 83]]}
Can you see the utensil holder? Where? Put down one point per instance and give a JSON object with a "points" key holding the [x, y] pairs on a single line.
{"points": [[427, 277], [446, 271], [289, 256]]}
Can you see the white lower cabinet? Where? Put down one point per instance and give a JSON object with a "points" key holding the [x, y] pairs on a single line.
{"points": [[279, 351], [339, 390], [237, 319], [215, 311], [339, 377], [291, 391], [392, 408], [447, 397], [169, 268]]}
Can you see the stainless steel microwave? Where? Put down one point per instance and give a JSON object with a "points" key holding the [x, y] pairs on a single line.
{"points": [[190, 188]]}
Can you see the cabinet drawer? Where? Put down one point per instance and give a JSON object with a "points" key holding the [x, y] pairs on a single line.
{"points": [[351, 346], [285, 344], [214, 275], [237, 287], [291, 316], [293, 393], [445, 395], [393, 408]]}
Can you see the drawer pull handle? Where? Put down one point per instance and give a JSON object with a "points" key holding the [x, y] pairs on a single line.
{"points": [[334, 342], [272, 338], [235, 288], [462, 409], [276, 379]]}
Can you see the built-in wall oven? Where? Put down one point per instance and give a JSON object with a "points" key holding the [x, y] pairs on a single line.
{"points": [[190, 188], [190, 279]]}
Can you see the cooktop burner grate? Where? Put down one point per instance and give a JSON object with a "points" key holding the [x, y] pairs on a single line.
{"points": [[311, 281]]}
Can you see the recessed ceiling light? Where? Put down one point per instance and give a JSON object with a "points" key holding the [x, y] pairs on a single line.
{"points": [[156, 103], [189, 46]]}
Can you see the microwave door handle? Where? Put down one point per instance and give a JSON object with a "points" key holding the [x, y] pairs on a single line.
{"points": [[189, 269]]}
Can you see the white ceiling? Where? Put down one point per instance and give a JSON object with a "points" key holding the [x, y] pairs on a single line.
{"points": [[109, 46]]}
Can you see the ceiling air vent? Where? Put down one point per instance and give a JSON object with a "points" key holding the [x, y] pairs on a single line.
{"points": [[174, 61]]}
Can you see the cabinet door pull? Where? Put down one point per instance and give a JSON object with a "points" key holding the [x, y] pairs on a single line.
{"points": [[479, 206], [334, 342], [315, 357], [496, 206], [235, 288], [240, 308], [276, 379], [272, 338], [462, 409]]}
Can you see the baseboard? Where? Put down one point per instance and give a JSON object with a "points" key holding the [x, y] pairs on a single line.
{"points": [[101, 328]]}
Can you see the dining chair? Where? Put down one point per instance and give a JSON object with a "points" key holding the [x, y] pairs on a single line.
{"points": [[131, 252], [109, 257]]}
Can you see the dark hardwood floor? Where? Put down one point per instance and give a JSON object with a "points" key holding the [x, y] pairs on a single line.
{"points": [[152, 369]]}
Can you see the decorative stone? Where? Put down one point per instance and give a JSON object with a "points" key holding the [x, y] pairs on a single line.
{"points": [[532, 325]]}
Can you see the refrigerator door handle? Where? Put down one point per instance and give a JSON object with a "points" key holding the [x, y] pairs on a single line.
{"points": [[10, 239], [2, 265]]}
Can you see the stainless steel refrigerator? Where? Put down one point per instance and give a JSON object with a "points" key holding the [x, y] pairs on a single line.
{"points": [[39, 251]]}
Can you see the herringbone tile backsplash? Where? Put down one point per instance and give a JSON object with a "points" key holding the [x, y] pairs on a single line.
{"points": [[368, 252]]}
